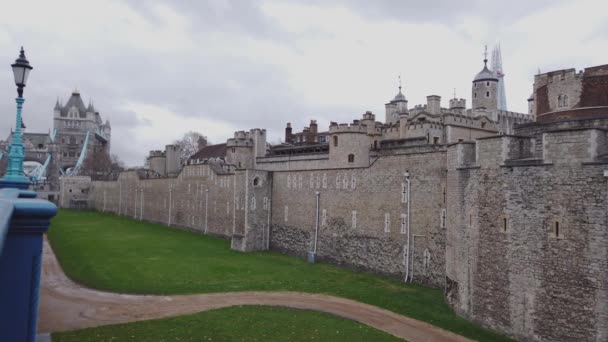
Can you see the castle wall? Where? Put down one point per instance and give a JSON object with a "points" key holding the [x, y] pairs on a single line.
{"points": [[507, 267], [352, 231]]}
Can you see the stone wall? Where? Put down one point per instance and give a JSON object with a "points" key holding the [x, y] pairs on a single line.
{"points": [[527, 246], [361, 212]]}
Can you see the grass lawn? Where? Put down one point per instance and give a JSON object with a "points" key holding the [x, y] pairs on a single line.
{"points": [[120, 254], [242, 323]]}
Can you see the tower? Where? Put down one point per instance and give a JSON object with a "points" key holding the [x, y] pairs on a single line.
{"points": [[497, 68], [485, 88], [397, 106]]}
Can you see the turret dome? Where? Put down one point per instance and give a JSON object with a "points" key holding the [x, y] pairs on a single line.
{"points": [[485, 74]]}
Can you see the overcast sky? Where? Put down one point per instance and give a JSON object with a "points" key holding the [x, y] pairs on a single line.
{"points": [[157, 69]]}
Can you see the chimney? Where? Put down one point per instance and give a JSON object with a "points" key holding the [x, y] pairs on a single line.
{"points": [[433, 104], [288, 135]]}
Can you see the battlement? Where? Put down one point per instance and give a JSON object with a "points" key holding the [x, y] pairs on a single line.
{"points": [[557, 75], [245, 139], [458, 103], [156, 153], [355, 127]]}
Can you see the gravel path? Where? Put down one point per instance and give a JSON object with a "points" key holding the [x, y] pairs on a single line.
{"points": [[65, 305]]}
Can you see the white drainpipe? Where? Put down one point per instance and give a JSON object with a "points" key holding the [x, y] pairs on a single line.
{"points": [[170, 205], [119, 197], [206, 209], [406, 248], [141, 209], [314, 250], [135, 205]]}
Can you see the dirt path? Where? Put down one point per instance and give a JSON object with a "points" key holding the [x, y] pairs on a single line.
{"points": [[66, 305]]}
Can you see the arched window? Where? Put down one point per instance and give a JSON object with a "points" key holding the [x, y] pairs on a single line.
{"points": [[487, 94], [335, 140], [351, 158], [487, 84]]}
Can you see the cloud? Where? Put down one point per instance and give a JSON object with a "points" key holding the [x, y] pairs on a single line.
{"points": [[157, 69]]}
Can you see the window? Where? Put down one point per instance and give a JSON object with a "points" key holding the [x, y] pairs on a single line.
{"points": [[435, 140], [474, 95], [442, 218], [354, 219], [403, 193], [345, 182], [474, 85], [265, 203], [335, 141], [324, 217], [288, 181], [487, 84], [233, 149], [505, 224], [426, 258], [403, 223], [351, 158], [253, 205], [557, 229], [387, 223], [338, 181], [318, 181], [562, 101], [487, 94]]}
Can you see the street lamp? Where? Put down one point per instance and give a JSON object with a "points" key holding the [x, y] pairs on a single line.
{"points": [[15, 177]]}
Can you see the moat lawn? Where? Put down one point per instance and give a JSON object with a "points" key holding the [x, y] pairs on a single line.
{"points": [[242, 323], [119, 254]]}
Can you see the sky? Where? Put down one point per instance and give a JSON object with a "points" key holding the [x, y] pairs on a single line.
{"points": [[158, 69]]}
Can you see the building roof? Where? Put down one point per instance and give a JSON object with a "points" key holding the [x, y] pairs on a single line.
{"points": [[485, 73], [399, 97], [76, 101], [210, 151]]}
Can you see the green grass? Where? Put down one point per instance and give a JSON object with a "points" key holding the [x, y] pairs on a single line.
{"points": [[119, 254], [243, 323]]}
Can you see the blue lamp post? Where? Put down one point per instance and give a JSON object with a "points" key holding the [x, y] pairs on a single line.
{"points": [[15, 177]]}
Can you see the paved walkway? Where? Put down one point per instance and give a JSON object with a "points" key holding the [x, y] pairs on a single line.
{"points": [[66, 305]]}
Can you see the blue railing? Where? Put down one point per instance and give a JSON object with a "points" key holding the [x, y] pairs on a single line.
{"points": [[23, 221]]}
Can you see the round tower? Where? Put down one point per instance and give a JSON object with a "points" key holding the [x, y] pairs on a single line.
{"points": [[485, 89]]}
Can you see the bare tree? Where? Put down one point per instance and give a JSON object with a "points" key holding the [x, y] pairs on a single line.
{"points": [[99, 165], [189, 144]]}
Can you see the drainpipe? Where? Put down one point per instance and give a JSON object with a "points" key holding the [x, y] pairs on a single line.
{"points": [[406, 248], [206, 209], [170, 205], [268, 220], [119, 197], [135, 205], [141, 208], [312, 255], [104, 200]]}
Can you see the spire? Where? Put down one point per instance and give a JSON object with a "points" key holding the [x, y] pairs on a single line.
{"points": [[399, 96], [485, 56], [57, 106], [485, 74]]}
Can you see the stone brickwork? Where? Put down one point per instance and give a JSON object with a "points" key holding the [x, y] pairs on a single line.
{"points": [[527, 244]]}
